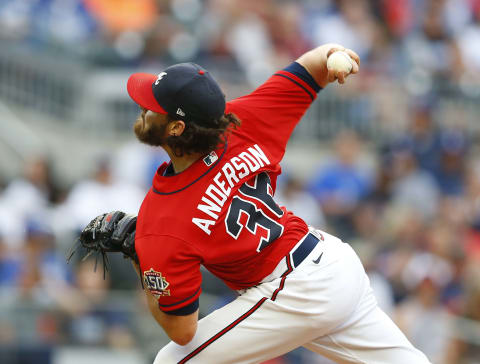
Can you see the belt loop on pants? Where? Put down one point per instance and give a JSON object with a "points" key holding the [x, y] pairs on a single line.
{"points": [[301, 252]]}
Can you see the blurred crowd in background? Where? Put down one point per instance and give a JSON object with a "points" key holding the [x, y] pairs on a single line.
{"points": [[391, 37], [407, 200]]}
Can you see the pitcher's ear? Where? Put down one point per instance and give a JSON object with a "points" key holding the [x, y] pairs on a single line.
{"points": [[176, 128]]}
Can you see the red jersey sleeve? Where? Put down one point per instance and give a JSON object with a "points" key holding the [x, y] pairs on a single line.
{"points": [[270, 113], [170, 269]]}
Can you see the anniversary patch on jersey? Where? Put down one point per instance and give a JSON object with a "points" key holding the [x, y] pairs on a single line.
{"points": [[156, 283]]}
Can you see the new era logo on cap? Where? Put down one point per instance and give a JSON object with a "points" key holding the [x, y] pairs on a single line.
{"points": [[188, 85]]}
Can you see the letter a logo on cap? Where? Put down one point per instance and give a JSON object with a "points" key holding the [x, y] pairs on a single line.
{"points": [[160, 76]]}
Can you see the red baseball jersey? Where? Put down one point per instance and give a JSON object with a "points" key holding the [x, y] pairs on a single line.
{"points": [[220, 211]]}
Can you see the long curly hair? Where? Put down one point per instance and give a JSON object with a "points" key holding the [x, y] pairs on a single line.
{"points": [[202, 139]]}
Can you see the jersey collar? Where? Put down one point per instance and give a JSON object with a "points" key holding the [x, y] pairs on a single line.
{"points": [[167, 185]]}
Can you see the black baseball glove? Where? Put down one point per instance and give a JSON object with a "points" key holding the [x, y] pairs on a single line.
{"points": [[109, 233]]}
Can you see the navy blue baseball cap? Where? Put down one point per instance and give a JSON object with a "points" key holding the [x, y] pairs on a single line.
{"points": [[185, 91]]}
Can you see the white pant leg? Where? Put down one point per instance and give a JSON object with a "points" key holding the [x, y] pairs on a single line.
{"points": [[254, 328], [318, 303], [368, 335], [251, 329]]}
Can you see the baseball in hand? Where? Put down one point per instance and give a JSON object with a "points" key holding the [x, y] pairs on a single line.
{"points": [[340, 62]]}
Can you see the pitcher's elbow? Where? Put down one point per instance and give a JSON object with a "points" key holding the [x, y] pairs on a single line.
{"points": [[183, 338]]}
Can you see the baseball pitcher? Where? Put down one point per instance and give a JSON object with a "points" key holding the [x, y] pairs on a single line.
{"points": [[213, 204]]}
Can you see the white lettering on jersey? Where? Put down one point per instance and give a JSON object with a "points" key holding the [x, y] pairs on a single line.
{"points": [[215, 194], [221, 184], [232, 172], [210, 208], [253, 164], [230, 175], [240, 166], [204, 224], [259, 155]]}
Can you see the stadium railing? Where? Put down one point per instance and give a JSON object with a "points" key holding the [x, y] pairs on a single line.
{"points": [[85, 96]]}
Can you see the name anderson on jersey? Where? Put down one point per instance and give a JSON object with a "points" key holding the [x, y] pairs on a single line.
{"points": [[216, 194]]}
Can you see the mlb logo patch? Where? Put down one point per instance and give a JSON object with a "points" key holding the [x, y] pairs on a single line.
{"points": [[210, 159]]}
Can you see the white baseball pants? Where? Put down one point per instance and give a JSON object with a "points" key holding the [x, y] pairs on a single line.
{"points": [[325, 305]]}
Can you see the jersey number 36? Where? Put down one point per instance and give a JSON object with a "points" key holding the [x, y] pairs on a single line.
{"points": [[261, 191]]}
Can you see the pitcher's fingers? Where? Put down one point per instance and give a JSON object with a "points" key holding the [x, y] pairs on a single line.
{"points": [[341, 77], [331, 76], [333, 50], [355, 67], [353, 56]]}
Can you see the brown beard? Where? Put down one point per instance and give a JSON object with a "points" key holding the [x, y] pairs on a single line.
{"points": [[151, 134]]}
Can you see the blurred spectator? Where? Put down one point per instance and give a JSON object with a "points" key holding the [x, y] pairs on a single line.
{"points": [[291, 193], [450, 174], [472, 243], [466, 38], [381, 287], [421, 316], [249, 41], [121, 15], [124, 23], [9, 268], [15, 19], [342, 183], [402, 233], [98, 195], [285, 24], [413, 188], [439, 151], [399, 16], [367, 242], [64, 23], [366, 223], [136, 164], [351, 25], [38, 283], [26, 197], [457, 14], [96, 319], [422, 136], [465, 347], [43, 271], [430, 49]]}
